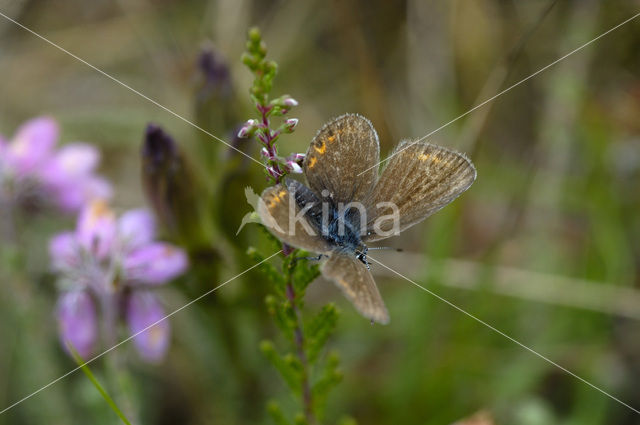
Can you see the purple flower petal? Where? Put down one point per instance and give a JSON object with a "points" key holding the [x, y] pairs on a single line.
{"points": [[155, 263], [32, 145], [72, 162], [63, 249], [143, 310], [96, 229], [68, 175], [77, 322], [73, 194], [96, 188], [77, 159], [136, 228]]}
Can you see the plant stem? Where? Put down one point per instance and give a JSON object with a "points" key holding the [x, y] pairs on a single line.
{"points": [[118, 376], [307, 400], [269, 142]]}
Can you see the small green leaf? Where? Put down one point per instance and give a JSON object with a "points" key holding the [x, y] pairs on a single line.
{"points": [[268, 270], [300, 420], [330, 377], [347, 420], [275, 243], [276, 309], [319, 330], [276, 414], [290, 374]]}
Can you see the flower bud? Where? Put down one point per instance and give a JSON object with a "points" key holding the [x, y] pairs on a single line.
{"points": [[284, 103], [289, 125], [289, 101], [272, 172], [297, 157], [215, 75], [294, 167], [248, 129], [171, 188]]}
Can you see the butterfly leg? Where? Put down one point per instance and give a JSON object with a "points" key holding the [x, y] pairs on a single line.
{"points": [[316, 258]]}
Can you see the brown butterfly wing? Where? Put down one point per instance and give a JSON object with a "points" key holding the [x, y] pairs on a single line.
{"points": [[342, 149], [274, 207], [357, 284], [419, 179]]}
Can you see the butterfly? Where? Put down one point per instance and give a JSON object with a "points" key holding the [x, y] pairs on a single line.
{"points": [[347, 204]]}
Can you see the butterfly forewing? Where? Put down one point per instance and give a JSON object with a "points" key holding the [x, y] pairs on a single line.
{"points": [[342, 149], [419, 179], [279, 211], [357, 284]]}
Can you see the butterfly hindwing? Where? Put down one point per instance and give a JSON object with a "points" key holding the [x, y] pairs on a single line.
{"points": [[342, 149], [280, 212], [357, 284], [420, 178]]}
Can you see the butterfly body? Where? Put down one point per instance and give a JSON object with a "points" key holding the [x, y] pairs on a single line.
{"points": [[347, 205], [340, 228]]}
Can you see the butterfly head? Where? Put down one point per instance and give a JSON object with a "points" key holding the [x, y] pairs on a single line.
{"points": [[361, 254]]}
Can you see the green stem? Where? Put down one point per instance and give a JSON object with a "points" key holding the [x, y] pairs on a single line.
{"points": [[94, 381], [119, 379]]}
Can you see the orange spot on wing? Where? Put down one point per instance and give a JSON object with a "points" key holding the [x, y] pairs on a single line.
{"points": [[276, 198], [321, 149], [312, 161], [428, 157]]}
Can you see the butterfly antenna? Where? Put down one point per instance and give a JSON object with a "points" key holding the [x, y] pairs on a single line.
{"points": [[385, 247]]}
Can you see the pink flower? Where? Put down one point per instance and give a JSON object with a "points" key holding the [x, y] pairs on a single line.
{"points": [[64, 177], [115, 262]]}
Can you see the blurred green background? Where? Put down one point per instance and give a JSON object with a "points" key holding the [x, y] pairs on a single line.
{"points": [[545, 246]]}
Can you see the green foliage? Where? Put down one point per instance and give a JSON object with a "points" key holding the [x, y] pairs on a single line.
{"points": [[85, 368], [286, 365], [264, 71], [303, 272], [320, 329], [306, 340], [301, 367], [329, 377], [273, 408], [270, 272]]}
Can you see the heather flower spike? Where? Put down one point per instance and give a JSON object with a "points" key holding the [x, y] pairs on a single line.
{"points": [[113, 263], [264, 72], [32, 170], [285, 304]]}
